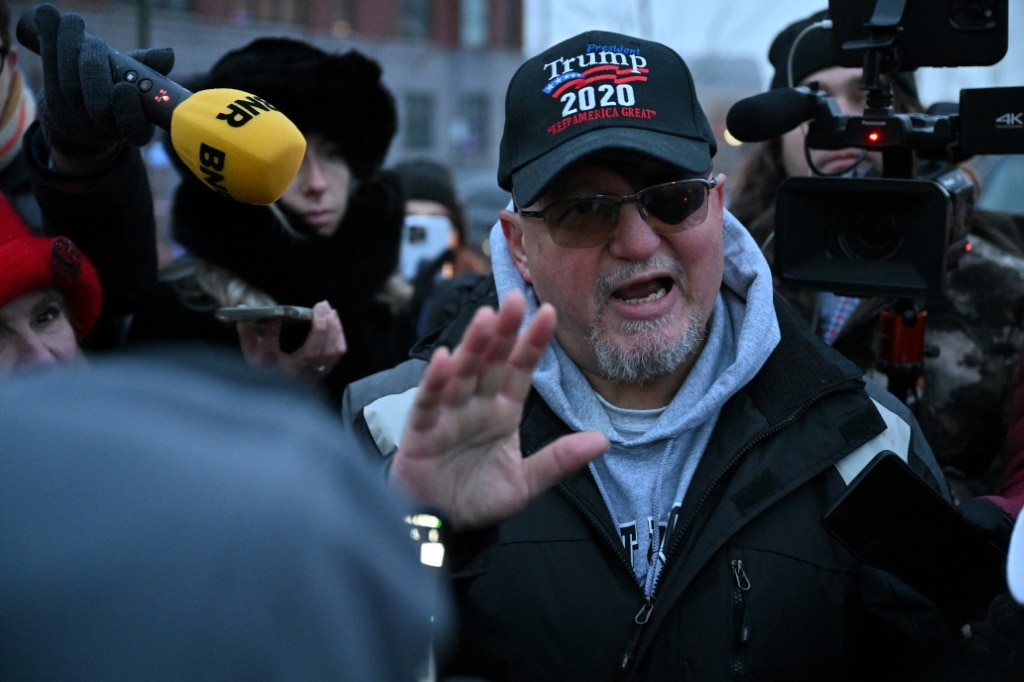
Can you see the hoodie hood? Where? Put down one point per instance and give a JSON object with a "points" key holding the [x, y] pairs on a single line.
{"points": [[742, 333]]}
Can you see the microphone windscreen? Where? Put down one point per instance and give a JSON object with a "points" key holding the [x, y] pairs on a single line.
{"points": [[770, 114], [238, 144]]}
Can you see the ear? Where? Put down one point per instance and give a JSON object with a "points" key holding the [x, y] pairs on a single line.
{"points": [[512, 226], [11, 59], [720, 192]]}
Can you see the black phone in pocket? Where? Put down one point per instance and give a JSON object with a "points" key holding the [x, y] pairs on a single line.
{"points": [[893, 520]]}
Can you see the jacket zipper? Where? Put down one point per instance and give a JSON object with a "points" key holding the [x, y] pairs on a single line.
{"points": [[648, 606], [641, 618], [739, 602]]}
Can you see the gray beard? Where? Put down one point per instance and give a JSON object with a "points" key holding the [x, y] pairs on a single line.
{"points": [[653, 352]]}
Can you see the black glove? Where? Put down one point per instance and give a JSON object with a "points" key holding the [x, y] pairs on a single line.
{"points": [[82, 110]]}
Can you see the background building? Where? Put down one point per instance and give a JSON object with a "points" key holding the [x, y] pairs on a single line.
{"points": [[448, 61]]}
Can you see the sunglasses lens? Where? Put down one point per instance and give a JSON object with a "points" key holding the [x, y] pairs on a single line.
{"points": [[581, 222], [674, 203]]}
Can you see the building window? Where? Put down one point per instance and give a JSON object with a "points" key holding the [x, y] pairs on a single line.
{"points": [[473, 27], [468, 133], [419, 121], [415, 21], [513, 23]]}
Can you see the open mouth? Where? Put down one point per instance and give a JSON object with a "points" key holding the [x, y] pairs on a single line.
{"points": [[644, 292]]}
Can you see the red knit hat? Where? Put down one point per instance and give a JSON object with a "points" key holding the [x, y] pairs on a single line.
{"points": [[29, 262]]}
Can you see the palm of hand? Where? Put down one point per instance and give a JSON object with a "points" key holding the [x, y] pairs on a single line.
{"points": [[461, 449]]}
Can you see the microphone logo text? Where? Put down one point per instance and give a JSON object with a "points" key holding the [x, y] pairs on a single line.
{"points": [[241, 111], [211, 163]]}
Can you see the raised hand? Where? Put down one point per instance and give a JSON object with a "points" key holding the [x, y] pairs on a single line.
{"points": [[460, 450]]}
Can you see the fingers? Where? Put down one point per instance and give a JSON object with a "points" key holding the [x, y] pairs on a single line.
{"points": [[492, 358], [528, 351], [70, 33], [468, 357], [549, 465], [430, 394], [129, 116], [260, 342], [249, 342], [94, 71], [160, 59], [325, 344]]}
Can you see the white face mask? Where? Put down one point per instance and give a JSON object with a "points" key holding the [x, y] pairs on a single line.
{"points": [[424, 238]]}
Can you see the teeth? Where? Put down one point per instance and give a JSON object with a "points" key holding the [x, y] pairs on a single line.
{"points": [[646, 299]]}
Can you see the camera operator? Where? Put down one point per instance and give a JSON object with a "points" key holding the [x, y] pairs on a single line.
{"points": [[975, 323]]}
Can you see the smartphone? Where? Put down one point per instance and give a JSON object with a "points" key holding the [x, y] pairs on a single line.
{"points": [[892, 520], [260, 313], [295, 321], [424, 239]]}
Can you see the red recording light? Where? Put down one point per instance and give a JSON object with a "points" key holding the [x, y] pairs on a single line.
{"points": [[874, 136]]}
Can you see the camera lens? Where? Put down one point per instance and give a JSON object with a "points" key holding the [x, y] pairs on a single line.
{"points": [[417, 234], [870, 235], [972, 14]]}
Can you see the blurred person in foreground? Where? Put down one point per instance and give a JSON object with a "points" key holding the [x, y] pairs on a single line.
{"points": [[50, 297], [975, 322], [330, 243], [179, 525], [637, 446]]}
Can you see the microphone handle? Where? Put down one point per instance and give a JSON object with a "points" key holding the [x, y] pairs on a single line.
{"points": [[159, 94]]}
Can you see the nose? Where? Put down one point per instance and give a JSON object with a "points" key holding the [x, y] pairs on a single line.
{"points": [[633, 237], [849, 106], [312, 174]]}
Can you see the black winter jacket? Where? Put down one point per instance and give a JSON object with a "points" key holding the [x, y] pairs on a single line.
{"points": [[109, 215], [754, 587]]}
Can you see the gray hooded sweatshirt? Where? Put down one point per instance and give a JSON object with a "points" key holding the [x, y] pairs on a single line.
{"points": [[645, 474]]}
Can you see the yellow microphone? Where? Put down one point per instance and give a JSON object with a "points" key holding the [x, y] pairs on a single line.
{"points": [[238, 144]]}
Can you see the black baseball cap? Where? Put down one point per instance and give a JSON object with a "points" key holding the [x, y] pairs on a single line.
{"points": [[598, 91]]}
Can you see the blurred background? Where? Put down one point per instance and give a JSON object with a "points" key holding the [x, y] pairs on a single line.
{"points": [[448, 61]]}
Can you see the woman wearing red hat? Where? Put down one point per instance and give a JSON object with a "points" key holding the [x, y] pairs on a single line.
{"points": [[50, 296]]}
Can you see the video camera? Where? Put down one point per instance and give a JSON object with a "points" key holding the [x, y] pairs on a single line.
{"points": [[895, 235]]}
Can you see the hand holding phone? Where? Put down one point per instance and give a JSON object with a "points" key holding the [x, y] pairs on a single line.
{"points": [[272, 338]]}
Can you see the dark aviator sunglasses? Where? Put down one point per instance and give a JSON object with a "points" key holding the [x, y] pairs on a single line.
{"points": [[583, 222]]}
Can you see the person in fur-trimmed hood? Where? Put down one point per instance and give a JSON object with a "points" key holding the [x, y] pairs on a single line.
{"points": [[335, 233], [330, 242]]}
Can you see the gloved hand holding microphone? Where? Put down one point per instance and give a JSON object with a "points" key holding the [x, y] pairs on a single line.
{"points": [[96, 98]]}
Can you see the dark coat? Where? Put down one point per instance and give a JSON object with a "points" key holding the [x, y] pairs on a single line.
{"points": [[754, 587]]}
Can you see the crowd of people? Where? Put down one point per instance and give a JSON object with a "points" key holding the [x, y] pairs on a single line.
{"points": [[623, 430]]}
